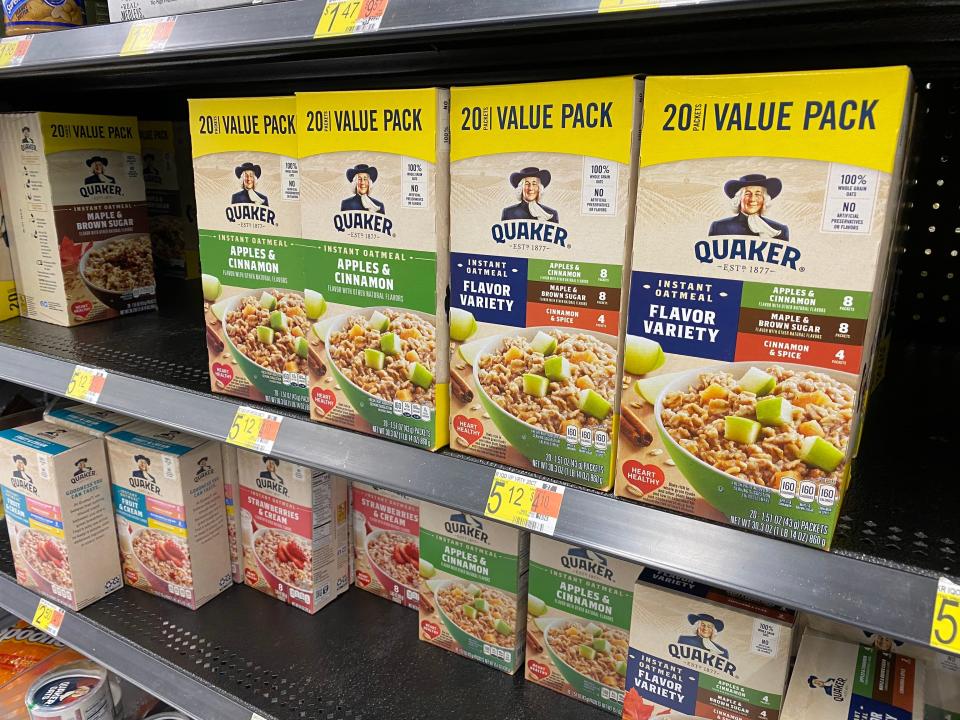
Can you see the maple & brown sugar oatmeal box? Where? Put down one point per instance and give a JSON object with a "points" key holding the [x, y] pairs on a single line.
{"points": [[763, 243], [295, 531], [56, 496], [386, 544], [76, 215], [541, 215], [168, 497]]}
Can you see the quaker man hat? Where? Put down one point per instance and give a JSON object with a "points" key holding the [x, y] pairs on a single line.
{"points": [[268, 458], [81, 460], [773, 185], [811, 679], [97, 158], [138, 458], [542, 175], [148, 157], [362, 168], [240, 169], [703, 617], [202, 460], [20, 458]]}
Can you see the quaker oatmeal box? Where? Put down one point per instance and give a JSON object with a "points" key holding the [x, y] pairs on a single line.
{"points": [[9, 301], [541, 210], [76, 215], [473, 598], [375, 204], [386, 544], [578, 621], [88, 419], [704, 653], [257, 313], [56, 496], [168, 496], [294, 529], [837, 680], [231, 497], [763, 243]]}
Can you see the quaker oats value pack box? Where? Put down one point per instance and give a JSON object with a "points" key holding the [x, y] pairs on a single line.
{"points": [[257, 311], [168, 496], [9, 300], [766, 211], [76, 214], [56, 495], [541, 216], [375, 173], [696, 651]]}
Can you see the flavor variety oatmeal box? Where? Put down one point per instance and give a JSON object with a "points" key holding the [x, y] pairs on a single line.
{"points": [[258, 314], [473, 599], [696, 651], [88, 419], [386, 544], [541, 210], [75, 210], [578, 621], [231, 497], [56, 496], [295, 531], [168, 496], [375, 169], [762, 248]]}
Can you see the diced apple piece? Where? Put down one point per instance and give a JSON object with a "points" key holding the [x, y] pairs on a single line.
{"points": [[740, 429], [390, 343], [774, 411], [758, 382], [621, 668], [642, 355], [536, 606], [320, 329], [301, 347], [650, 388], [713, 391], [278, 321], [469, 351], [601, 645], [469, 610], [265, 335], [502, 627], [427, 570], [462, 324], [268, 301], [594, 630], [219, 309], [556, 367], [584, 381], [474, 590], [378, 321], [418, 374], [594, 404], [373, 358], [543, 343], [314, 304], [482, 605], [816, 451], [211, 287], [587, 652], [535, 385], [810, 427]]}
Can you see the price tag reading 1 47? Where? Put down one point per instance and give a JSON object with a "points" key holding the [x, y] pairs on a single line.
{"points": [[347, 17], [519, 500], [945, 630], [254, 429]]}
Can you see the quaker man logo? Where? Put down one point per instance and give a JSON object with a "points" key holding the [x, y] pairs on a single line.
{"points": [[204, 469], [98, 182], [82, 472], [588, 561], [26, 142], [270, 479], [142, 478], [362, 211], [52, 434], [248, 203], [20, 478], [833, 687], [151, 174], [530, 219], [882, 643], [702, 647], [170, 435], [463, 524]]}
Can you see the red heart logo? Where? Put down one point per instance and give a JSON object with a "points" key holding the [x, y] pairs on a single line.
{"points": [[82, 308], [470, 429], [132, 577], [251, 576], [537, 670], [324, 399], [430, 629], [223, 373], [362, 578], [646, 477]]}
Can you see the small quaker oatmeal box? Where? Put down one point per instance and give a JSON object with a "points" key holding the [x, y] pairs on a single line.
{"points": [[375, 169], [56, 495], [386, 544], [762, 249], [541, 215], [231, 497], [838, 680], [295, 531], [473, 599], [704, 653], [168, 496], [76, 214], [88, 419], [9, 301], [258, 316], [578, 621]]}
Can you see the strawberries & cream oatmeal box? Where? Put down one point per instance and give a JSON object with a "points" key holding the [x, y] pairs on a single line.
{"points": [[76, 213], [375, 173], [295, 531], [541, 211], [258, 313], [386, 544], [696, 651], [56, 495], [231, 497], [168, 496], [760, 260]]}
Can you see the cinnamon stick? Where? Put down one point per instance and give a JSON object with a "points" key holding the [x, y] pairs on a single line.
{"points": [[316, 361], [459, 387], [425, 604], [533, 645], [633, 428], [213, 338]]}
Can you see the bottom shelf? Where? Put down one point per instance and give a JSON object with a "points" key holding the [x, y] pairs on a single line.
{"points": [[244, 654]]}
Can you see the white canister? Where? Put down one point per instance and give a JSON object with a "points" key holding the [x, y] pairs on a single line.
{"points": [[80, 691]]}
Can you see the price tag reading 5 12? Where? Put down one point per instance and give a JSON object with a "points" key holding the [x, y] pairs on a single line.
{"points": [[945, 631], [254, 429], [524, 501], [86, 384]]}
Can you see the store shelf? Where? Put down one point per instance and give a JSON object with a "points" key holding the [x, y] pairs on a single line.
{"points": [[244, 652], [883, 574]]}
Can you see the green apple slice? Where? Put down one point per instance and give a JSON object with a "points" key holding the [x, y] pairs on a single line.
{"points": [[265, 334], [474, 590], [535, 385], [601, 645], [373, 358], [211, 287], [593, 630], [642, 355], [320, 329], [536, 606], [544, 343], [587, 652], [469, 610], [314, 303], [621, 668], [758, 382], [556, 367], [649, 388], [482, 605], [278, 321], [427, 570], [462, 324], [594, 404], [503, 627], [468, 351], [219, 309], [740, 429], [378, 321], [419, 375], [268, 301], [390, 343], [818, 452], [774, 411], [301, 346]]}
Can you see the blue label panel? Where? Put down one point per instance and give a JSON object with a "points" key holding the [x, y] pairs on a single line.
{"points": [[491, 287], [152, 443], [864, 708], [15, 505], [85, 420], [33, 442], [131, 505], [663, 682]]}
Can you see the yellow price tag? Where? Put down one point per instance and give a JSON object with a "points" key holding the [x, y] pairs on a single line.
{"points": [[14, 50], [524, 501], [148, 36], [346, 17], [623, 5], [254, 429], [945, 630], [86, 384], [48, 617]]}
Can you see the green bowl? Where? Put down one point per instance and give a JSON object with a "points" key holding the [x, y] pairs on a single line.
{"points": [[731, 496], [473, 646], [588, 688], [538, 445], [269, 382]]}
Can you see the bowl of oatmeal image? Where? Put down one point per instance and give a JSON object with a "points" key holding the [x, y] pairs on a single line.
{"points": [[162, 558], [476, 614], [380, 356], [119, 269], [588, 655], [757, 423], [284, 559], [46, 559], [395, 559]]}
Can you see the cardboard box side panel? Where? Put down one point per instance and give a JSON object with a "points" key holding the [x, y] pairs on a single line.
{"points": [[207, 538]]}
